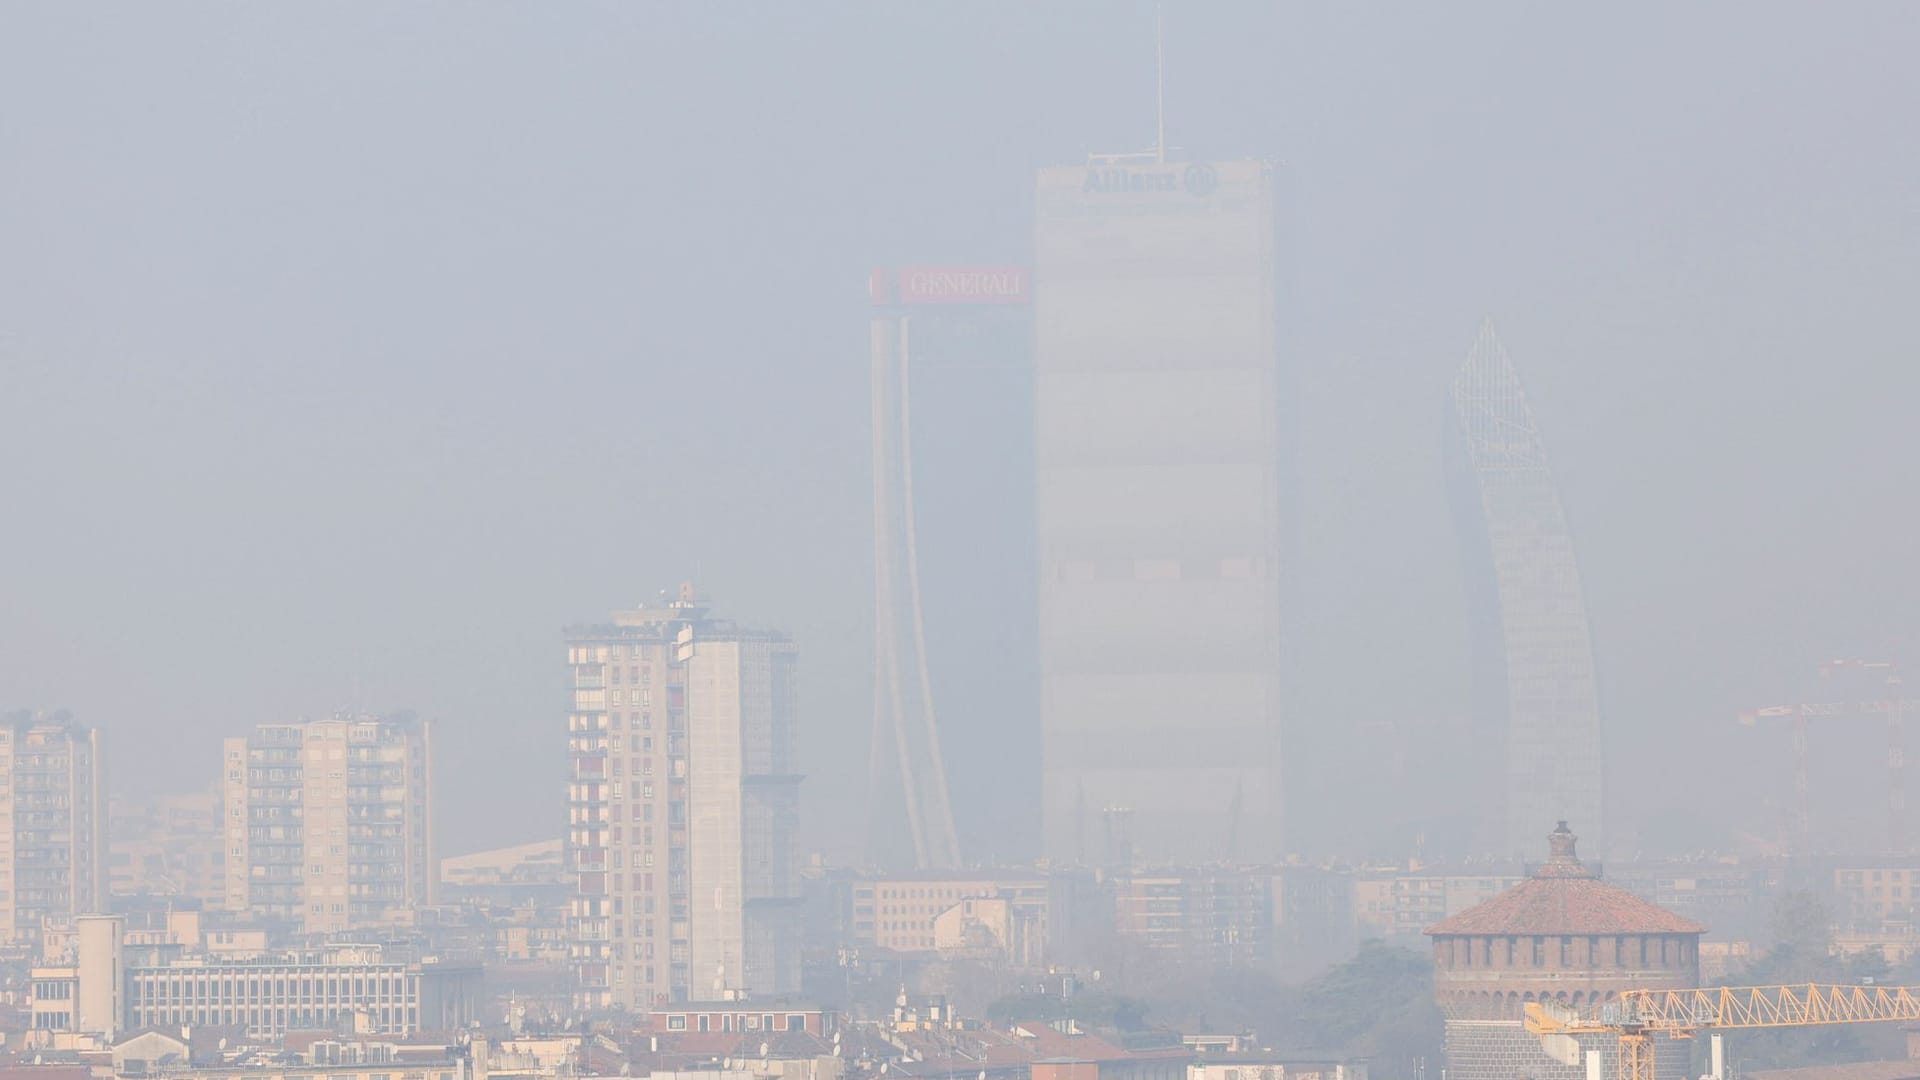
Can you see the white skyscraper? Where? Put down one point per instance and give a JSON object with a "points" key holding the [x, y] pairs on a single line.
{"points": [[1159, 464]]}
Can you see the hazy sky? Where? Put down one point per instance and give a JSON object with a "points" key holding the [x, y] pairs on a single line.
{"points": [[349, 351]]}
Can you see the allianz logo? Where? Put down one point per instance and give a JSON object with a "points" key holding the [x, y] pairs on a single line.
{"points": [[1196, 180]]}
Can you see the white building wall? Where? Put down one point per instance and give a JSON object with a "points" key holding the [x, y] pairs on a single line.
{"points": [[716, 952], [1159, 469]]}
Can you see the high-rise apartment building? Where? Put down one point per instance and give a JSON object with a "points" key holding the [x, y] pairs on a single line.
{"points": [[1159, 458], [53, 821], [1535, 690], [329, 822], [682, 801]]}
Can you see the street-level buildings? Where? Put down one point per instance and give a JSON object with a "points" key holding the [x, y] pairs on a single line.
{"points": [[1002, 914], [111, 988], [328, 823], [683, 801], [1220, 917]]}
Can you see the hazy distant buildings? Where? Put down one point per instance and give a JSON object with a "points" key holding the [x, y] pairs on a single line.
{"points": [[1216, 916], [329, 822], [683, 801], [168, 846], [53, 816], [1159, 507], [1002, 915], [952, 393], [1533, 660]]}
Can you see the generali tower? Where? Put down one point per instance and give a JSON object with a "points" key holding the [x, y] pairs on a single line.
{"points": [[1158, 452]]}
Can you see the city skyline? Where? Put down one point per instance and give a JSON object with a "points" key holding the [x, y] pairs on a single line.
{"points": [[879, 542], [208, 447]]}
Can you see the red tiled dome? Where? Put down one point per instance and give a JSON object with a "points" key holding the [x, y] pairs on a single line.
{"points": [[1564, 897]]}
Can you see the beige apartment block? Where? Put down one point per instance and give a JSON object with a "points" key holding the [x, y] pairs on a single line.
{"points": [[53, 844], [328, 823], [682, 805]]}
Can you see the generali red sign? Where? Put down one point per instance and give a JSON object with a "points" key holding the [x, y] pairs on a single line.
{"points": [[915, 285]]}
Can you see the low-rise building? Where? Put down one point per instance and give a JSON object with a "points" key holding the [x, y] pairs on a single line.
{"points": [[351, 988], [732, 1017], [1266, 1066], [1877, 892], [1219, 917], [901, 912]]}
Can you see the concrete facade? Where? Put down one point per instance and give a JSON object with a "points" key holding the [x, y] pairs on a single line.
{"points": [[329, 822], [682, 786], [53, 825]]}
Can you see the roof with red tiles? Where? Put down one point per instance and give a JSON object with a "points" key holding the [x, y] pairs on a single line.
{"points": [[1563, 896]]}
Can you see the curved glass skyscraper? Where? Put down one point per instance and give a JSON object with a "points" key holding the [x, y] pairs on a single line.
{"points": [[1534, 678]]}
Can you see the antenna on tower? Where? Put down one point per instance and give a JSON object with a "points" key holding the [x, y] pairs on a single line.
{"points": [[1160, 83]]}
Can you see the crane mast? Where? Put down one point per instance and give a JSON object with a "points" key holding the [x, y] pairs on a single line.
{"points": [[1891, 706]]}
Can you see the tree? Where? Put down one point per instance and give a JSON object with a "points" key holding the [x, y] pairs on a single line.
{"points": [[1802, 932], [1378, 1005]]}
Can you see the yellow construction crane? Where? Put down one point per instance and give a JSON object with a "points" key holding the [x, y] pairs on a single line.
{"points": [[1638, 1015]]}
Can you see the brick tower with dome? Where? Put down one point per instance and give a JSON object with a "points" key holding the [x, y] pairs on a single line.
{"points": [[1565, 936]]}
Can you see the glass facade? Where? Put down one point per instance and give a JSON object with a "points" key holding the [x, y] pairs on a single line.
{"points": [[1535, 688]]}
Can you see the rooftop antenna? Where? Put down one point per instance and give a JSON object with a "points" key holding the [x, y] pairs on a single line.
{"points": [[1160, 83]]}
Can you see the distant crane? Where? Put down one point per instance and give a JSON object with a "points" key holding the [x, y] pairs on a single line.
{"points": [[1892, 706], [1638, 1015]]}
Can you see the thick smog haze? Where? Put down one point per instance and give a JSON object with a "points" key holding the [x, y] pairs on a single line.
{"points": [[348, 353]]}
